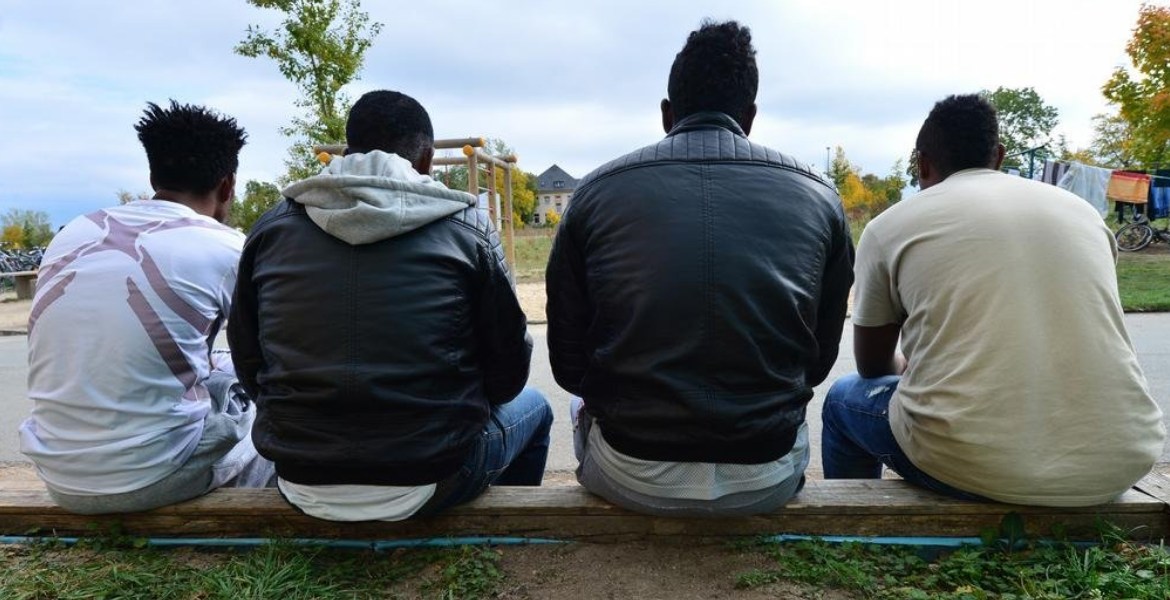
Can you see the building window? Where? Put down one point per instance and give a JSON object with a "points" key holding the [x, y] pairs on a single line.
{"points": [[558, 185]]}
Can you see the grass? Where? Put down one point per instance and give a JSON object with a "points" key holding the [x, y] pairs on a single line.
{"points": [[1008, 567], [1144, 281], [1028, 571], [533, 246], [271, 572]]}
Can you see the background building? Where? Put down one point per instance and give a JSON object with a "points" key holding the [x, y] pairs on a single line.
{"points": [[554, 189]]}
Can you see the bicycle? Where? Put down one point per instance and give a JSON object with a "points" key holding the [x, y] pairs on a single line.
{"points": [[1136, 236]]}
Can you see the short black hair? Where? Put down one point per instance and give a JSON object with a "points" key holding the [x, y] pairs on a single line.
{"points": [[961, 132], [390, 122], [190, 148], [715, 71]]}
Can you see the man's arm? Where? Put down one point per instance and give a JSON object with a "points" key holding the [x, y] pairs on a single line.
{"points": [[505, 349], [243, 325], [878, 313], [569, 309], [876, 351], [836, 279]]}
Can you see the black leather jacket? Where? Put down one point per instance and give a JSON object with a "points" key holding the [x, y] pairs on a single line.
{"points": [[376, 363], [696, 294]]}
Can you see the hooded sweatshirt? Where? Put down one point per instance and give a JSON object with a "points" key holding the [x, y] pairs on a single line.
{"points": [[375, 325], [366, 198]]}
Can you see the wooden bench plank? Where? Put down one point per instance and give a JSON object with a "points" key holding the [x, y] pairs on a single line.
{"points": [[865, 508], [1156, 485]]}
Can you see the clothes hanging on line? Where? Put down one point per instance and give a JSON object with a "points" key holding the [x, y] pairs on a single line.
{"points": [[1132, 188], [1159, 205], [1053, 171], [1087, 182]]}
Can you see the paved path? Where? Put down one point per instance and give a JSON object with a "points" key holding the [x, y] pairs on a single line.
{"points": [[1151, 336]]}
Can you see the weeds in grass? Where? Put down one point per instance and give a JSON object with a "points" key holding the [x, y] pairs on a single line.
{"points": [[473, 573], [1007, 570], [112, 568]]}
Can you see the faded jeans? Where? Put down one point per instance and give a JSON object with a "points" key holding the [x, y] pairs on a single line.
{"points": [[856, 439], [512, 450]]}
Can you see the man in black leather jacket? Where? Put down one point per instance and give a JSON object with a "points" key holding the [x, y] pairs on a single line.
{"points": [[696, 294], [376, 326]]}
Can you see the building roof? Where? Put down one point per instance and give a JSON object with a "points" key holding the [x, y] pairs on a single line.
{"points": [[547, 181]]}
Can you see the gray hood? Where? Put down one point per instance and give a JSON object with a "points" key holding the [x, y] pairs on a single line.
{"points": [[366, 198]]}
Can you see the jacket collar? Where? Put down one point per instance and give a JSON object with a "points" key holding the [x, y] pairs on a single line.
{"points": [[707, 120]]}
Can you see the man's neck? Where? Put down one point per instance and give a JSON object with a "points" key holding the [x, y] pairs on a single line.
{"points": [[201, 204]]}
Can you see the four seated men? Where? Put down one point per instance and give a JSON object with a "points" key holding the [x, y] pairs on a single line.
{"points": [[697, 291]]}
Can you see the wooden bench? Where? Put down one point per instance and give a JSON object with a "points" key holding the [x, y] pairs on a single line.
{"points": [[568, 512], [26, 283]]}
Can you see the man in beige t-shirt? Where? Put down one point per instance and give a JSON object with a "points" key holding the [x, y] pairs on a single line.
{"points": [[1019, 382]]}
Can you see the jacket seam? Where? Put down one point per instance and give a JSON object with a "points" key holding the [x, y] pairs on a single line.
{"points": [[708, 263], [482, 233], [763, 163]]}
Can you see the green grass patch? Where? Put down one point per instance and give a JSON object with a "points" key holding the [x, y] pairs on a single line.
{"points": [[1030, 571], [99, 571], [1143, 278], [532, 249]]}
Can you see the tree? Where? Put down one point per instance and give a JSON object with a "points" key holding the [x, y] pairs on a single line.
{"points": [[1143, 99], [125, 197], [1025, 121], [840, 168], [320, 47], [856, 197], [1112, 144], [259, 198], [13, 236], [35, 225], [896, 182], [552, 218]]}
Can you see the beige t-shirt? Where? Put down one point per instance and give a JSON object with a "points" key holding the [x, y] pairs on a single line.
{"points": [[1023, 385]]}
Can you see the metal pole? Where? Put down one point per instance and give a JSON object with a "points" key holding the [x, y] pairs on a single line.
{"points": [[473, 175], [509, 235], [826, 160]]}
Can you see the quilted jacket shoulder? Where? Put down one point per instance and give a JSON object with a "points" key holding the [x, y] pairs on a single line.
{"points": [[706, 137]]}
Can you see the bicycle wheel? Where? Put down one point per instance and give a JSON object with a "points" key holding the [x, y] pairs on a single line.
{"points": [[1134, 237]]}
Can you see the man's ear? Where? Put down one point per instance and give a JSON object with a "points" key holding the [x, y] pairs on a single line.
{"points": [[226, 190], [748, 118], [1000, 152], [423, 164], [667, 115]]}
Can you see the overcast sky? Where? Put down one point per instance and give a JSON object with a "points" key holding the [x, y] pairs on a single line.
{"points": [[571, 83]]}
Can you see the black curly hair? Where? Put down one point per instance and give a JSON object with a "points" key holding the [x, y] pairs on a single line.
{"points": [[715, 71], [961, 132], [390, 122], [190, 148]]}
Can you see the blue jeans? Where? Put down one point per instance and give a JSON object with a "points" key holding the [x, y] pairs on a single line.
{"points": [[856, 438], [511, 451]]}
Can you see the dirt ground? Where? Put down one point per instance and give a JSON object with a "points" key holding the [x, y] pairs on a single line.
{"points": [[637, 570], [531, 296], [13, 314]]}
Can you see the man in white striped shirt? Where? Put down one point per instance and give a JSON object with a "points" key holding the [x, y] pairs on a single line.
{"points": [[131, 408]]}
